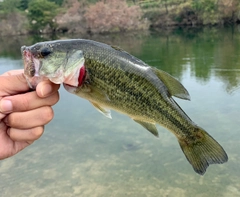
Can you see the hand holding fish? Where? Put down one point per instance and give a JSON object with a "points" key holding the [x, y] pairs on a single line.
{"points": [[23, 113]]}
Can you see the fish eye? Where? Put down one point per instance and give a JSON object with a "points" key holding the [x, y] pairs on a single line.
{"points": [[45, 52]]}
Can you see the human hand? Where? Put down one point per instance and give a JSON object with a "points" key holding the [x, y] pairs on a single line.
{"points": [[23, 113]]}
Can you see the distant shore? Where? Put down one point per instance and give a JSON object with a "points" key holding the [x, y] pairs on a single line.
{"points": [[94, 17]]}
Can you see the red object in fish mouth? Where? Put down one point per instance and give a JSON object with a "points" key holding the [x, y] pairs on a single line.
{"points": [[81, 76]]}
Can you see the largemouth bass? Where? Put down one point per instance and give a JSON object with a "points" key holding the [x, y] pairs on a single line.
{"points": [[111, 78]]}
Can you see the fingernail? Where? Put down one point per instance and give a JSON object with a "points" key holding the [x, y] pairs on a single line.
{"points": [[46, 90], [6, 106]]}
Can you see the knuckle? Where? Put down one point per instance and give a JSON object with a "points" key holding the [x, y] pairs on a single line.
{"points": [[19, 74], [37, 133], [14, 120], [56, 98], [48, 114], [53, 99], [24, 103], [10, 120]]}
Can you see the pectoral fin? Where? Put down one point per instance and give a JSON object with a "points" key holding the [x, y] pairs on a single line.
{"points": [[102, 110], [90, 92], [94, 96], [175, 88], [149, 126]]}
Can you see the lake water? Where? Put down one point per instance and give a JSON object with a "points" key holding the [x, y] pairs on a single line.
{"points": [[82, 153]]}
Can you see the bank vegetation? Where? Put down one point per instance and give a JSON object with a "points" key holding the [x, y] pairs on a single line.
{"points": [[103, 16]]}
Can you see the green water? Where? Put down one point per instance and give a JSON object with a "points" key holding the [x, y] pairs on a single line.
{"points": [[82, 153]]}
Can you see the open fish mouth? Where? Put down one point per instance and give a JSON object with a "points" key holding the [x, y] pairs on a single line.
{"points": [[29, 68], [32, 66], [38, 67]]}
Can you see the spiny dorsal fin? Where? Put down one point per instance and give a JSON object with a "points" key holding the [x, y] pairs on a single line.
{"points": [[175, 88], [149, 126], [117, 48], [102, 110]]}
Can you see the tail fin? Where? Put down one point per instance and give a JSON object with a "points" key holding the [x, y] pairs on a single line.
{"points": [[202, 150]]}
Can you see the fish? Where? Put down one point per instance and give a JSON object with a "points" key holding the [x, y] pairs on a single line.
{"points": [[112, 79]]}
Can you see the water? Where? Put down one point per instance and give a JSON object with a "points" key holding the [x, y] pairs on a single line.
{"points": [[82, 153]]}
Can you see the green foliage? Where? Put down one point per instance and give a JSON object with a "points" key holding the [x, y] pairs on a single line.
{"points": [[23, 4], [8, 6], [149, 4], [92, 1], [58, 2], [41, 13], [207, 11]]}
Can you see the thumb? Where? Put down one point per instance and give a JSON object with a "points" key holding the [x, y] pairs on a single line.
{"points": [[13, 82]]}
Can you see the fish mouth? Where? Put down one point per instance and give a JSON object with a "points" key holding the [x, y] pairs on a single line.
{"points": [[37, 69], [32, 66], [29, 68]]}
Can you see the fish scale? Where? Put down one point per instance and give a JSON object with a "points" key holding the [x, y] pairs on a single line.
{"points": [[142, 87], [114, 79]]}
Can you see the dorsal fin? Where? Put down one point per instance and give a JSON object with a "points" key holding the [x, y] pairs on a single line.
{"points": [[117, 48], [175, 88]]}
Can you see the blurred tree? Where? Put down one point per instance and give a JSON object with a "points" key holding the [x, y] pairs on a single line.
{"points": [[229, 10], [8, 6], [23, 4], [207, 10], [166, 5], [58, 2], [41, 13], [114, 16]]}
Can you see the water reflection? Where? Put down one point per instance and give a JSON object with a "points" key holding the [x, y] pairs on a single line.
{"points": [[82, 153], [209, 52]]}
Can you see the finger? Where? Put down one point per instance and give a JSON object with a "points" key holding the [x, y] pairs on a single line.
{"points": [[25, 102], [46, 88], [14, 84], [28, 135], [8, 146], [2, 115], [13, 72], [29, 119], [11, 148]]}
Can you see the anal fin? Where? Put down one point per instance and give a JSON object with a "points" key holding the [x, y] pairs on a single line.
{"points": [[149, 126]]}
